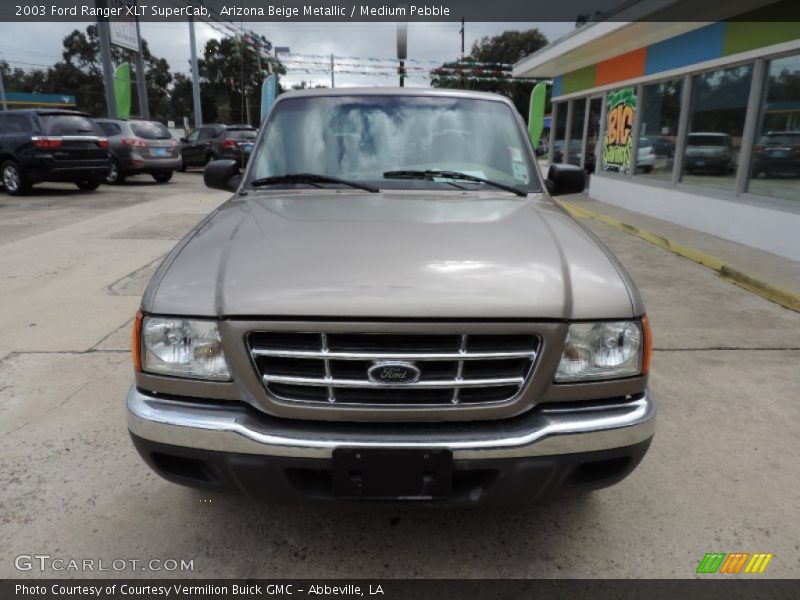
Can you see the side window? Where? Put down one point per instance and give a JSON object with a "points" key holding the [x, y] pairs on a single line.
{"points": [[206, 133], [16, 124], [110, 129], [194, 136]]}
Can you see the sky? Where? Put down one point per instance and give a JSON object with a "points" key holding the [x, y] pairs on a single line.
{"points": [[40, 43]]}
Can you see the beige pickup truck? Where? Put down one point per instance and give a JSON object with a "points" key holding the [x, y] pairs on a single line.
{"points": [[391, 307]]}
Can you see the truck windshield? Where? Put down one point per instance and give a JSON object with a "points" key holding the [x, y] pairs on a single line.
{"points": [[360, 138]]}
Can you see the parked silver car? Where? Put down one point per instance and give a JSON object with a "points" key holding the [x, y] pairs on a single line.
{"points": [[140, 147], [391, 307]]}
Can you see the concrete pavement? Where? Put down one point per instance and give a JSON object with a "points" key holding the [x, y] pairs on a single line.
{"points": [[721, 474]]}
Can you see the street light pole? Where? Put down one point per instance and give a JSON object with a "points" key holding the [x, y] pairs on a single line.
{"points": [[108, 67], [198, 109], [141, 82]]}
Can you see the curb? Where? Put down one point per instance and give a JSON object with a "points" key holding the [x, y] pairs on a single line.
{"points": [[770, 292]]}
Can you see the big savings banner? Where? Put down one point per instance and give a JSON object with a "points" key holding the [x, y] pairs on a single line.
{"points": [[618, 141]]}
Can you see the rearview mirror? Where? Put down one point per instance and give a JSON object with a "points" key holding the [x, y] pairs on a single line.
{"points": [[565, 179], [222, 175]]}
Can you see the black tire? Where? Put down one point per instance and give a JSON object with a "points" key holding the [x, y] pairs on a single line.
{"points": [[14, 179], [116, 176], [182, 168], [88, 184], [162, 177]]}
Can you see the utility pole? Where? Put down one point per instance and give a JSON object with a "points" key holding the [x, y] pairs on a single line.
{"points": [[141, 83], [402, 50], [198, 109], [332, 78], [462, 38], [2, 90], [108, 68]]}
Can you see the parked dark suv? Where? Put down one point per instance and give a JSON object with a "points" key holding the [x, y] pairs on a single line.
{"points": [[140, 147], [213, 142], [51, 145]]}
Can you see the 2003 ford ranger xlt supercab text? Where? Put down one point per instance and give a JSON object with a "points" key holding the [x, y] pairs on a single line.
{"points": [[392, 307]]}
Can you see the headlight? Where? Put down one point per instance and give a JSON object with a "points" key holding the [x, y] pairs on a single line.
{"points": [[183, 348], [607, 350]]}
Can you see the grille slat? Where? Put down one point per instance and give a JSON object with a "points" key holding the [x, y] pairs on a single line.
{"points": [[333, 368]]}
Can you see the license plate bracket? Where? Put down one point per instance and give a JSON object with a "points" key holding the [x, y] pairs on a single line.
{"points": [[392, 474]]}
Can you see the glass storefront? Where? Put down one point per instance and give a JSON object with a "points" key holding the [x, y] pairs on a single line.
{"points": [[775, 168], [715, 126]]}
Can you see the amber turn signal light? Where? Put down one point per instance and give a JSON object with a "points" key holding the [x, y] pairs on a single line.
{"points": [[648, 345], [136, 342]]}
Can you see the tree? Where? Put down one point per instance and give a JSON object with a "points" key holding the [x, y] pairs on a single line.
{"points": [[507, 48], [80, 73], [234, 71]]}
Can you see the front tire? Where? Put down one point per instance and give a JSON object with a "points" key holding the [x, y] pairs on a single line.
{"points": [[88, 185], [15, 182], [162, 177]]}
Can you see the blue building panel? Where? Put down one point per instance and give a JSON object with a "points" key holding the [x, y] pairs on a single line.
{"points": [[696, 46], [558, 86]]}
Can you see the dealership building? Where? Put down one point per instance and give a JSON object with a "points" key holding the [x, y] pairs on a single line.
{"points": [[694, 123]]}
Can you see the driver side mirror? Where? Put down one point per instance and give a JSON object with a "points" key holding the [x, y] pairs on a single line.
{"points": [[222, 175], [564, 179]]}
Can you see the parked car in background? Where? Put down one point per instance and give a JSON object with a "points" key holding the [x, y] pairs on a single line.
{"points": [[662, 146], [213, 142], [41, 145], [177, 133], [777, 153], [709, 151], [140, 147], [645, 155]]}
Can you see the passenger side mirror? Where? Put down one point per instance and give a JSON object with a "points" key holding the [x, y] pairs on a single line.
{"points": [[565, 179], [184, 140], [222, 175]]}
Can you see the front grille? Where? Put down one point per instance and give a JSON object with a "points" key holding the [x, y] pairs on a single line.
{"points": [[445, 370]]}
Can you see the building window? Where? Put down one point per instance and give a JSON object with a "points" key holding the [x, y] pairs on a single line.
{"points": [[593, 135], [559, 132], [658, 130], [719, 105], [776, 156], [618, 137], [576, 132]]}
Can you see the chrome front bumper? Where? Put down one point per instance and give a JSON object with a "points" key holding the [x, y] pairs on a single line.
{"points": [[227, 427]]}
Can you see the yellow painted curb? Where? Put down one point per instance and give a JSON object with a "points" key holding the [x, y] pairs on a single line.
{"points": [[756, 286]]}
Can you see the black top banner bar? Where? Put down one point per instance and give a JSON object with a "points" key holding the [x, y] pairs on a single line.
{"points": [[406, 10]]}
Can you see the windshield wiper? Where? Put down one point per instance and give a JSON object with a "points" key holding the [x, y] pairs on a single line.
{"points": [[312, 179], [431, 173]]}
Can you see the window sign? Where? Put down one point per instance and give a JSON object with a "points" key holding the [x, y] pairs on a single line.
{"points": [[618, 139]]}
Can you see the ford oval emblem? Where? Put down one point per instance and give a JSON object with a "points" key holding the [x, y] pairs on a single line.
{"points": [[396, 372]]}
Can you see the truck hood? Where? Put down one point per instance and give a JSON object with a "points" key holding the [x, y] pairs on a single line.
{"points": [[395, 254]]}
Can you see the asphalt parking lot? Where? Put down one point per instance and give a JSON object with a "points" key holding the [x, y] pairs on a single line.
{"points": [[721, 474]]}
